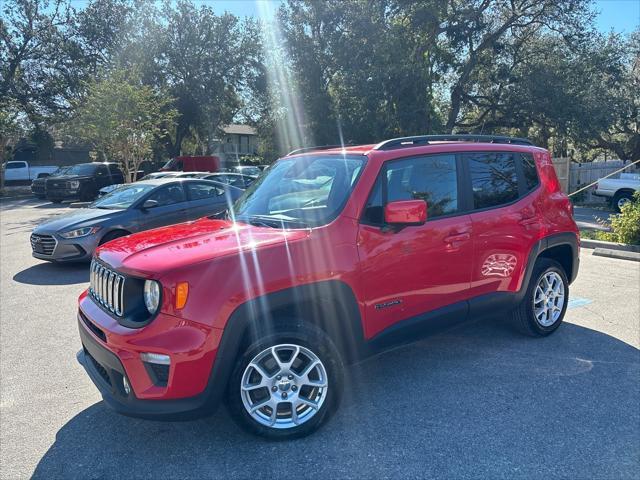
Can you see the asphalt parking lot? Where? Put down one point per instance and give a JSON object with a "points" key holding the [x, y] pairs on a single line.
{"points": [[476, 401]]}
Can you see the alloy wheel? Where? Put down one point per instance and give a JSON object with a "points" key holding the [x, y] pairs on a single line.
{"points": [[548, 299], [284, 386]]}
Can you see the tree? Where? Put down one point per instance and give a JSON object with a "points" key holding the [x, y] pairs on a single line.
{"points": [[10, 132], [48, 51], [122, 118], [205, 61]]}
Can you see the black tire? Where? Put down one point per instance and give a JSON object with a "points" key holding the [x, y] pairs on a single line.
{"points": [[86, 195], [316, 341], [620, 196], [523, 315], [112, 236]]}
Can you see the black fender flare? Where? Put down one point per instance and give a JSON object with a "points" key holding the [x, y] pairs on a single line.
{"points": [[546, 243], [330, 305]]}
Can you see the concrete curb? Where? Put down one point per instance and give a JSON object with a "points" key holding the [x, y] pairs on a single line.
{"points": [[622, 247], [618, 254]]}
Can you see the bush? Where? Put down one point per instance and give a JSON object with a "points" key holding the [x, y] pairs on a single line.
{"points": [[625, 228]]}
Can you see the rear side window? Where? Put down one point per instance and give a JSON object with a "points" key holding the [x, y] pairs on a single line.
{"points": [[432, 179], [493, 178], [529, 172], [168, 195], [13, 165], [198, 191]]}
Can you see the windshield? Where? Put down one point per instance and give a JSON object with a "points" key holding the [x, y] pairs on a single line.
{"points": [[123, 197], [300, 192], [60, 171], [82, 169]]}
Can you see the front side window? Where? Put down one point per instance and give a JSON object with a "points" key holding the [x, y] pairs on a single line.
{"points": [[168, 195], [493, 178], [300, 192], [432, 179]]}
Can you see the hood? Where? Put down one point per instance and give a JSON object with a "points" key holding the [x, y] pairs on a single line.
{"points": [[155, 251], [66, 178], [82, 217]]}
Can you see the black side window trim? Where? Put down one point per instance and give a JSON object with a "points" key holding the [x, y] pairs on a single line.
{"points": [[462, 200]]}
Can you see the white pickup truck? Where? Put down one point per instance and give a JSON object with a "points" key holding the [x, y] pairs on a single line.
{"points": [[618, 190], [20, 171]]}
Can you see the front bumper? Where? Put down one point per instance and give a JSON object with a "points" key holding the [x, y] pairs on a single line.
{"points": [[111, 353], [66, 250], [62, 193]]}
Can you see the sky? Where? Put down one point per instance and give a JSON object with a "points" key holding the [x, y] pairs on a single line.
{"points": [[619, 15]]}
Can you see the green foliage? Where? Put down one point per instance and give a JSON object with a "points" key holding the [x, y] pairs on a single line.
{"points": [[121, 118], [625, 227], [331, 71]]}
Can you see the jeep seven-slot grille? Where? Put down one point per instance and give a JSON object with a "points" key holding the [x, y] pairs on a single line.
{"points": [[43, 244], [107, 288]]}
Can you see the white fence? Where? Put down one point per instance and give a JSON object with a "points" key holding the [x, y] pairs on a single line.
{"points": [[573, 175]]}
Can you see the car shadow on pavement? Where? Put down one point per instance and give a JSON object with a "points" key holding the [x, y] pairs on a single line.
{"points": [[54, 274], [476, 401]]}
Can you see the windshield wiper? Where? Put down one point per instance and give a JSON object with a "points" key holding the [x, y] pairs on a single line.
{"points": [[269, 221]]}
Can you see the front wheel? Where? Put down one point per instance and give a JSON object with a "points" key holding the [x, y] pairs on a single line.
{"points": [[545, 303], [287, 384]]}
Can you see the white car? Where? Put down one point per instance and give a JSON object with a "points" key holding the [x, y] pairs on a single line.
{"points": [[20, 171], [618, 190]]}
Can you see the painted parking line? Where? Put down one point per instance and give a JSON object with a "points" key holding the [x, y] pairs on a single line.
{"points": [[578, 302]]}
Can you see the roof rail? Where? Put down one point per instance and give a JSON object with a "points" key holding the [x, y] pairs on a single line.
{"points": [[311, 149], [404, 142]]}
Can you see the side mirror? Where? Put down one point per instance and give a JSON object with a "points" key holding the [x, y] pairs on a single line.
{"points": [[405, 213], [149, 204]]}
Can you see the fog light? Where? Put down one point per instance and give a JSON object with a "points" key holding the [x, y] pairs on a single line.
{"points": [[157, 358], [125, 384]]}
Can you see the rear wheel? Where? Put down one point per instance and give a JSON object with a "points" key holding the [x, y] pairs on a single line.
{"points": [[287, 384], [620, 199], [545, 303]]}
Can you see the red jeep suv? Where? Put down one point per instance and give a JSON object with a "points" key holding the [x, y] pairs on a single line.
{"points": [[332, 253]]}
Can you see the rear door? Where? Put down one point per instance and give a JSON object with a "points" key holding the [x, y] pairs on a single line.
{"points": [[505, 217], [419, 270], [205, 198], [172, 207]]}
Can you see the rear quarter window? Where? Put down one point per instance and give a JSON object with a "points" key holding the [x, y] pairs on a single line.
{"points": [[529, 171]]}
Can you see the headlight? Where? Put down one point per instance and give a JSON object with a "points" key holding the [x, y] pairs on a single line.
{"points": [[74, 184], [80, 232], [152, 295]]}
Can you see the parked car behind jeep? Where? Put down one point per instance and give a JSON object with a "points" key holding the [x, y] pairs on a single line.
{"points": [[618, 191], [82, 181], [38, 186], [131, 208]]}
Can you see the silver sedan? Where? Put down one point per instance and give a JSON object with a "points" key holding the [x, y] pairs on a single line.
{"points": [[129, 209]]}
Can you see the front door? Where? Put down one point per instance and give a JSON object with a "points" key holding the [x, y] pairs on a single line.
{"points": [[171, 207], [419, 269]]}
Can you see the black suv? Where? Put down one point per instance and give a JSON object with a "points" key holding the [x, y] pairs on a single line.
{"points": [[82, 181]]}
